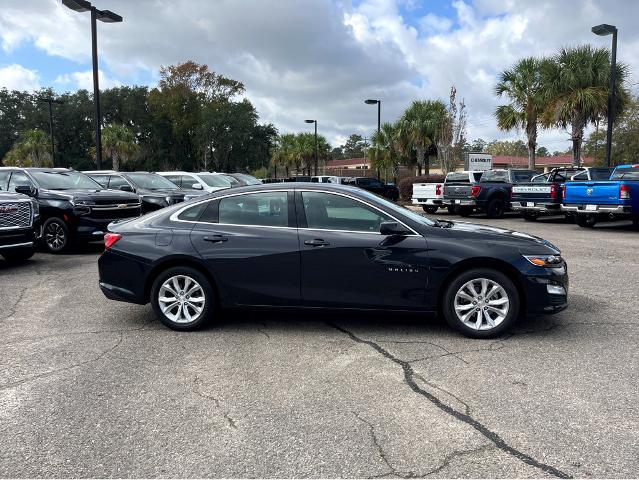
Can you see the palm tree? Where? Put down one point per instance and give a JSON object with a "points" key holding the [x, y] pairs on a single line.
{"points": [[31, 150], [418, 128], [384, 149], [283, 153], [575, 87], [118, 142], [522, 85]]}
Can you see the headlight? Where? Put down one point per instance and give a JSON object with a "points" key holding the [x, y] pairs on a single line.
{"points": [[82, 203], [550, 261]]}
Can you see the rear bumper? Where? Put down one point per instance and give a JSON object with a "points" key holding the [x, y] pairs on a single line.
{"points": [[129, 287], [460, 201], [548, 208], [594, 209], [428, 201]]}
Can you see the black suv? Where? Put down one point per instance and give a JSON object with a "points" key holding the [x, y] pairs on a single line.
{"points": [[375, 186], [72, 206], [154, 190], [19, 216]]}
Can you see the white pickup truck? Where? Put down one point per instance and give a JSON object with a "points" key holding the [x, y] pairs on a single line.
{"points": [[431, 195]]}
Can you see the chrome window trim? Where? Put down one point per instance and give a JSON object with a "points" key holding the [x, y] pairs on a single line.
{"points": [[174, 216]]}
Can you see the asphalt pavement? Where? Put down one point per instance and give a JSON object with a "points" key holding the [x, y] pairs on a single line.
{"points": [[95, 388]]}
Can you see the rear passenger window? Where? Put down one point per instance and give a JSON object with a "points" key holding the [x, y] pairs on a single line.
{"points": [[193, 213], [262, 209]]}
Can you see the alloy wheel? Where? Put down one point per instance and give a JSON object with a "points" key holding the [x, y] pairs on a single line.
{"points": [[55, 236], [481, 304], [181, 299]]}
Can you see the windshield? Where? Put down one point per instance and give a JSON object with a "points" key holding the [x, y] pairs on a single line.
{"points": [[64, 180], [416, 217], [248, 179], [625, 174], [215, 180], [151, 181]]}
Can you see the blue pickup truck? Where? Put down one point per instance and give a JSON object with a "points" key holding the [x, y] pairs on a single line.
{"points": [[614, 199]]}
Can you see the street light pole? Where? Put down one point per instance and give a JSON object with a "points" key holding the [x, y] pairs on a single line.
{"points": [[50, 100], [371, 101], [315, 161], [603, 30], [106, 16]]}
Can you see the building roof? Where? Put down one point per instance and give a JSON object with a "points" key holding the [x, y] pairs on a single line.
{"points": [[345, 162], [559, 160]]}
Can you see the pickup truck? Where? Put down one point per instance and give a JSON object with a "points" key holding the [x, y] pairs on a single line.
{"points": [[375, 186], [491, 194], [614, 199], [430, 195], [544, 193]]}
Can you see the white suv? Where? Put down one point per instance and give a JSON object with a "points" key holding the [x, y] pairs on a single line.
{"points": [[209, 182]]}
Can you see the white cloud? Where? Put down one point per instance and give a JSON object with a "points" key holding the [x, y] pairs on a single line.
{"points": [[84, 80], [16, 77], [322, 58]]}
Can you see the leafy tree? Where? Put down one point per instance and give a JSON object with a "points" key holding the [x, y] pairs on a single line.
{"points": [[542, 152], [419, 127], [516, 148], [478, 146], [118, 143], [354, 147], [575, 86], [522, 86], [31, 150]]}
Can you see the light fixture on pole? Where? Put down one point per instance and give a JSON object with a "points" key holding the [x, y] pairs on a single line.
{"points": [[50, 100], [603, 30], [106, 16], [315, 162], [371, 101]]}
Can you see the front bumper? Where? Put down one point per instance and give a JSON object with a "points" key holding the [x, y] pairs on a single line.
{"points": [[546, 289], [16, 238], [548, 208], [594, 209]]}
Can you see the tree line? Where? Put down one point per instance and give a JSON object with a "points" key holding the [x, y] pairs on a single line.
{"points": [[194, 119]]}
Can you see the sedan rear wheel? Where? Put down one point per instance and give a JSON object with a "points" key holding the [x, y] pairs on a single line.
{"points": [[182, 298], [481, 303]]}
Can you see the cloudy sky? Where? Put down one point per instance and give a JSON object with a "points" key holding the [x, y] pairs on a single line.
{"points": [[313, 58]]}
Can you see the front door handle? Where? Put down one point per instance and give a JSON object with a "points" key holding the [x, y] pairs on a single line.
{"points": [[316, 242], [216, 238]]}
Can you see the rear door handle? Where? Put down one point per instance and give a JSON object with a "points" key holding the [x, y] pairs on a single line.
{"points": [[216, 238], [316, 242]]}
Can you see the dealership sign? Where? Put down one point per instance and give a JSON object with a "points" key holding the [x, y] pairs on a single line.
{"points": [[478, 161]]}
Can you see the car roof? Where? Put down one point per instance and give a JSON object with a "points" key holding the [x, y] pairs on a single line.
{"points": [[40, 169]]}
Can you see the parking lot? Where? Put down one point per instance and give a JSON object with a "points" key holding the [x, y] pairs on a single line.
{"points": [[93, 388]]}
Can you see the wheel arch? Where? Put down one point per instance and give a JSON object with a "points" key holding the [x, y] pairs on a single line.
{"points": [[171, 262], [483, 262]]}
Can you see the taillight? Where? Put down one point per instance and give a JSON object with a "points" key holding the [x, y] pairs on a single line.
{"points": [[474, 191], [438, 189], [110, 239], [563, 190], [553, 191], [624, 192]]}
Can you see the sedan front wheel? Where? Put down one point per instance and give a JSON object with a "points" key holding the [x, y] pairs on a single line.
{"points": [[481, 303]]}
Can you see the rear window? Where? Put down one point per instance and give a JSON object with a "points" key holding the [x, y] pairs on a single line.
{"points": [[494, 176], [600, 173], [625, 174], [458, 177], [522, 175]]}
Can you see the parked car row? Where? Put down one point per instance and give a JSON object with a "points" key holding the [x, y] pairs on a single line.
{"points": [[371, 184], [58, 207], [588, 194]]}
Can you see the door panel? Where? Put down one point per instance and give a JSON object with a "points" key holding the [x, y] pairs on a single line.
{"points": [[254, 264], [349, 264]]}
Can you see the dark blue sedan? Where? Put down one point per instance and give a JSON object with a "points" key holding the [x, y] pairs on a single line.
{"points": [[327, 246]]}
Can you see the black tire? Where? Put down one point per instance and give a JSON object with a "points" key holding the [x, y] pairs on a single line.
{"points": [[448, 307], [451, 209], [208, 306], [55, 235], [18, 255], [586, 221], [465, 211], [530, 216], [430, 208], [495, 208]]}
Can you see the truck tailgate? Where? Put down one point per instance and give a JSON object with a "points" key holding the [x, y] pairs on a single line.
{"points": [[452, 190], [597, 193], [427, 190], [531, 193]]}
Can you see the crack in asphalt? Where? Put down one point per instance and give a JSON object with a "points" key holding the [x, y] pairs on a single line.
{"points": [[409, 379], [50, 373], [410, 474], [197, 381]]}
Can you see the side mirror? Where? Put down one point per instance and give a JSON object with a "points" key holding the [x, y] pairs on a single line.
{"points": [[26, 190], [126, 188], [392, 228], [197, 186]]}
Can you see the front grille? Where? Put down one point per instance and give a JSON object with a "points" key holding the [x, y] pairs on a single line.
{"points": [[15, 215], [115, 212]]}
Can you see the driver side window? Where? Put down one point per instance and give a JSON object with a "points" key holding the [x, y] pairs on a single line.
{"points": [[18, 179], [326, 211]]}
